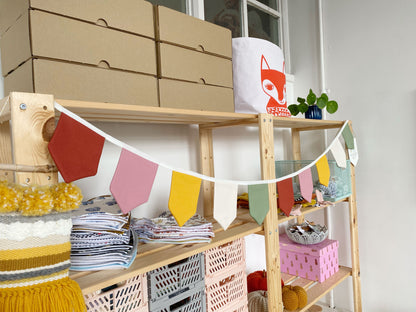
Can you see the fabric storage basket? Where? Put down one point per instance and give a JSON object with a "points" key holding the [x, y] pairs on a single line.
{"points": [[339, 186], [222, 259], [128, 296], [315, 262], [177, 277]]}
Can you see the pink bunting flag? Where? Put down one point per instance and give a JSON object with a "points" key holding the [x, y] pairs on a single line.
{"points": [[286, 198], [306, 184], [132, 180]]}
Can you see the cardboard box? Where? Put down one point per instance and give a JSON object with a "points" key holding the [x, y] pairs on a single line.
{"points": [[315, 262], [185, 64], [82, 82], [180, 29], [188, 95], [41, 34], [134, 16]]}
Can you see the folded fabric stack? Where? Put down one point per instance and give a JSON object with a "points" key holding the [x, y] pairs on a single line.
{"points": [[165, 229], [101, 237]]}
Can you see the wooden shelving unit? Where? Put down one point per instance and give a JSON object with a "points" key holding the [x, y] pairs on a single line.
{"points": [[24, 142]]}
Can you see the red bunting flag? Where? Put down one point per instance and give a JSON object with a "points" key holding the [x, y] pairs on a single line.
{"points": [[132, 180], [76, 149], [286, 198]]}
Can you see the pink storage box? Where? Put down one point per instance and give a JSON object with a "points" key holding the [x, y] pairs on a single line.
{"points": [[315, 262], [223, 259]]}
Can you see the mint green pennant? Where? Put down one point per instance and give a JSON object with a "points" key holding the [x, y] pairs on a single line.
{"points": [[348, 137], [258, 201]]}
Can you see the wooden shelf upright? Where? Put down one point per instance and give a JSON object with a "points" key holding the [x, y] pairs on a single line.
{"points": [[27, 122]]}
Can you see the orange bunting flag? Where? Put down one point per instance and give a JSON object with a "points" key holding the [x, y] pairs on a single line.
{"points": [[286, 198], [183, 198], [323, 170]]}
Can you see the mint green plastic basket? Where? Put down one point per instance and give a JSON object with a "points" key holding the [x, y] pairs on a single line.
{"points": [[339, 183]]}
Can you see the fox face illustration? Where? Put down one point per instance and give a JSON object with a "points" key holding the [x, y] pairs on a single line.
{"points": [[274, 85]]}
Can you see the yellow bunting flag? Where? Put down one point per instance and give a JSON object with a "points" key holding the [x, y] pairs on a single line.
{"points": [[183, 198], [323, 170]]}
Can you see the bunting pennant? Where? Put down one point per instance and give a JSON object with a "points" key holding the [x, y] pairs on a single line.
{"points": [[286, 198], [319, 196], [225, 200], [132, 180], [258, 201], [323, 170], [348, 137], [339, 154], [183, 198], [353, 153], [306, 184], [75, 149]]}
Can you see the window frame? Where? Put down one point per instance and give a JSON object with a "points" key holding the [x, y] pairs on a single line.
{"points": [[196, 8]]}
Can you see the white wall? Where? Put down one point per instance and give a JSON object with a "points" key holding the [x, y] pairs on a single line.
{"points": [[370, 61]]}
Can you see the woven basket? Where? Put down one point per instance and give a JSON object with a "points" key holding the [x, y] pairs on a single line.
{"points": [[307, 238]]}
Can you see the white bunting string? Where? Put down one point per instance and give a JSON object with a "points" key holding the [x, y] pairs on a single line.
{"points": [[188, 172]]}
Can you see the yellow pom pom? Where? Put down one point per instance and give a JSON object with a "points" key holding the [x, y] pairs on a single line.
{"points": [[302, 296], [66, 197], [36, 201], [290, 300], [9, 197]]}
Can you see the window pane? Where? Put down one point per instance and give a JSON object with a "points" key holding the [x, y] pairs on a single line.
{"points": [[225, 13], [269, 3], [178, 5], [262, 25]]}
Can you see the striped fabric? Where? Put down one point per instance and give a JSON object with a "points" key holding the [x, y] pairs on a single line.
{"points": [[34, 263]]}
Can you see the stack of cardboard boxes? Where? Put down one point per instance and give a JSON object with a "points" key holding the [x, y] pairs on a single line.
{"points": [[115, 51]]}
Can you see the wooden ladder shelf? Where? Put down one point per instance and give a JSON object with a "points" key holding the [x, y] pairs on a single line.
{"points": [[26, 125]]}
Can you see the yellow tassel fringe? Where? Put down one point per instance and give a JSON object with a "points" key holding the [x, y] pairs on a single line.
{"points": [[39, 200], [63, 295]]}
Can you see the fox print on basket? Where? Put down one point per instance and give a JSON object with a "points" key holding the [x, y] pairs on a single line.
{"points": [[274, 85]]}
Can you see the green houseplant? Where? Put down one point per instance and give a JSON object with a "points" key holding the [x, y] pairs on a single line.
{"points": [[312, 105]]}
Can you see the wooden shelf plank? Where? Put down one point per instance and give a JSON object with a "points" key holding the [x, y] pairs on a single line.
{"points": [[317, 290], [307, 210], [135, 113]]}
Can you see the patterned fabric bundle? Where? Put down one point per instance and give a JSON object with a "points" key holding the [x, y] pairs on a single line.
{"points": [[34, 264]]}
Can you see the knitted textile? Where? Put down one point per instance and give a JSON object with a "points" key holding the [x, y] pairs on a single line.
{"points": [[34, 264]]}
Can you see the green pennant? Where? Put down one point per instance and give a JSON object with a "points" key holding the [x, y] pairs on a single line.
{"points": [[258, 201], [348, 137]]}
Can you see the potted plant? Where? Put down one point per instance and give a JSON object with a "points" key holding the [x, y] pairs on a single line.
{"points": [[312, 106]]}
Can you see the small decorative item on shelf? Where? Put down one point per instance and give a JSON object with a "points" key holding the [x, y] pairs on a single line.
{"points": [[312, 106], [257, 301], [257, 281], [294, 297], [307, 233]]}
